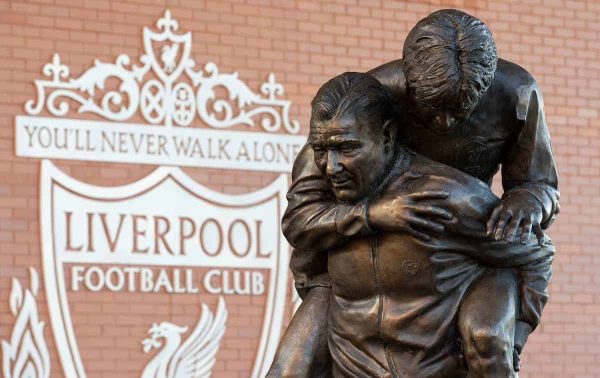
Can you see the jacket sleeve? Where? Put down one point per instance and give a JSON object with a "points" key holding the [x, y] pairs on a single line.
{"points": [[313, 221], [529, 164], [472, 201], [501, 254], [471, 238]]}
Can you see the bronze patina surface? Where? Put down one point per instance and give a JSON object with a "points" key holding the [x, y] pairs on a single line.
{"points": [[408, 264]]}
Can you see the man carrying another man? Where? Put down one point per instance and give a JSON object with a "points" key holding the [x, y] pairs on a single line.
{"points": [[396, 300], [465, 108]]}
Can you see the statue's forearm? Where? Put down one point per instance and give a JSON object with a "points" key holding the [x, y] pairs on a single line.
{"points": [[499, 254], [322, 226], [466, 234], [502, 254], [529, 163], [313, 220]]}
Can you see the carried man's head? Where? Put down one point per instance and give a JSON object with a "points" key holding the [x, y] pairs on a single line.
{"points": [[352, 133], [449, 60]]}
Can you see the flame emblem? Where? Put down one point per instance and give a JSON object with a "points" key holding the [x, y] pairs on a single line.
{"points": [[26, 355]]}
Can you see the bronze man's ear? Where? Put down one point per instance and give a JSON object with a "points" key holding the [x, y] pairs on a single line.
{"points": [[389, 133]]}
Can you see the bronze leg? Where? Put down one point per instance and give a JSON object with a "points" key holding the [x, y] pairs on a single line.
{"points": [[486, 322], [303, 350]]}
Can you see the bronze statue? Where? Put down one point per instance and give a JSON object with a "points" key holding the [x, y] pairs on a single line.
{"points": [[425, 277]]}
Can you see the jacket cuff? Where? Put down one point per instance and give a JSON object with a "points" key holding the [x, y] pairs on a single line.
{"points": [[353, 220]]}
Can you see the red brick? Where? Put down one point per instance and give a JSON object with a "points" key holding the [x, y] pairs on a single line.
{"points": [[304, 43]]}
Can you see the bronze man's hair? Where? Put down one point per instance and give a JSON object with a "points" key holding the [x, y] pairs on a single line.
{"points": [[359, 93], [449, 60]]}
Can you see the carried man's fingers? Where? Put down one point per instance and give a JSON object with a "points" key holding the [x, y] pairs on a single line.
{"points": [[426, 224], [526, 231], [432, 210], [501, 225], [491, 223], [537, 229], [512, 228], [418, 234], [429, 194]]}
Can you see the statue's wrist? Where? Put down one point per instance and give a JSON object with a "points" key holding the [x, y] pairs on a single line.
{"points": [[526, 194]]}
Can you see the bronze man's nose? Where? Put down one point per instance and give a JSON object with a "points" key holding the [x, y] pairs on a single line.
{"points": [[446, 121], [333, 163]]}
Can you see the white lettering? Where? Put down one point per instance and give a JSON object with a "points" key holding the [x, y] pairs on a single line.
{"points": [[208, 277], [234, 282], [89, 279], [177, 287], [155, 235], [88, 140], [227, 289], [120, 281], [163, 282], [76, 277], [131, 277], [146, 283], [189, 282], [239, 286], [258, 283], [215, 281]]}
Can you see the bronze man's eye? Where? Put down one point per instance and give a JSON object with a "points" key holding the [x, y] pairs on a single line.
{"points": [[347, 150], [319, 152]]}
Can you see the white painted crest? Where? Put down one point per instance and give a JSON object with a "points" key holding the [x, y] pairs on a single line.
{"points": [[171, 195], [177, 96], [188, 112], [26, 354], [192, 358]]}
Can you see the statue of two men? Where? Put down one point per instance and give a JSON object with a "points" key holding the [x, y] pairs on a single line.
{"points": [[408, 264]]}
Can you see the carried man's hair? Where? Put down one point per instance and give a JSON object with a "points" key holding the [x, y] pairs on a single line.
{"points": [[357, 92], [449, 60]]}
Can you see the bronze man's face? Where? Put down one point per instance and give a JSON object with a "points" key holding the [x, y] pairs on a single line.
{"points": [[349, 156], [442, 121]]}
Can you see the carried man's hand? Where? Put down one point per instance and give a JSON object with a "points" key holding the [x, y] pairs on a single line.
{"points": [[407, 213], [519, 211]]}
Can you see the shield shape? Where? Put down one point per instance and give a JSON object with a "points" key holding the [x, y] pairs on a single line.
{"points": [[174, 49], [195, 246]]}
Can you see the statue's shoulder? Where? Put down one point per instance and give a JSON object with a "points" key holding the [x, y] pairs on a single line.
{"points": [[512, 75], [391, 75], [426, 174], [516, 85], [390, 68]]}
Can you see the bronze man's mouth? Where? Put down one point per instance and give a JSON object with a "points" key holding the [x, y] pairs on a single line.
{"points": [[340, 183]]}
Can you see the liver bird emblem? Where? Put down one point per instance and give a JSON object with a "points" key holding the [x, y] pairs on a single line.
{"points": [[196, 356], [168, 56]]}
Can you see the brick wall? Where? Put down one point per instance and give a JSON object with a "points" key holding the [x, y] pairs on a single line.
{"points": [[305, 43]]}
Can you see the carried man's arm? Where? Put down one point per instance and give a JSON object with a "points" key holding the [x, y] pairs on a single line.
{"points": [[529, 178], [466, 234], [314, 221]]}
